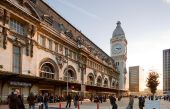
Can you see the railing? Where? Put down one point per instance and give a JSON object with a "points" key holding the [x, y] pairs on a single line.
{"points": [[99, 84], [70, 79], [90, 83], [105, 85], [45, 74]]}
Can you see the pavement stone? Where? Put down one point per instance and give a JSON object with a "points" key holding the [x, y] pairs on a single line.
{"points": [[106, 105]]}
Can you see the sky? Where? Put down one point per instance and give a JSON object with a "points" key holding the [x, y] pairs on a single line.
{"points": [[146, 24]]}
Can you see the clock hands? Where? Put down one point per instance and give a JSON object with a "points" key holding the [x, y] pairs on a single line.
{"points": [[118, 48]]}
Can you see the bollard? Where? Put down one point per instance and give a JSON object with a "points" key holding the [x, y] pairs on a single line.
{"points": [[97, 105], [59, 105], [78, 107]]}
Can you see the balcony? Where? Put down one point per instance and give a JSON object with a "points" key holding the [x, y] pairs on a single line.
{"points": [[70, 79], [105, 85], [99, 84], [90, 83], [45, 74]]}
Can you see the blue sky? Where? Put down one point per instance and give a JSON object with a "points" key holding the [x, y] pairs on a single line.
{"points": [[146, 24]]}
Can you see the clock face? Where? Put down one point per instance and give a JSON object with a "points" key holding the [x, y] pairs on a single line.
{"points": [[117, 48]]}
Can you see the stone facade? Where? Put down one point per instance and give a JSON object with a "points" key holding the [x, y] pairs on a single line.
{"points": [[40, 50], [118, 44]]}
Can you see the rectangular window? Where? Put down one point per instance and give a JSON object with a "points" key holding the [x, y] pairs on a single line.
{"points": [[50, 44], [66, 51], [70, 54], [17, 26], [56, 47], [74, 55], [61, 48], [42, 40], [16, 59]]}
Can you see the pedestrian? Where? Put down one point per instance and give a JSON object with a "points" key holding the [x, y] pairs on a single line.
{"points": [[113, 102], [15, 101], [141, 102], [45, 100], [40, 101], [68, 98], [31, 100], [131, 101], [76, 100]]}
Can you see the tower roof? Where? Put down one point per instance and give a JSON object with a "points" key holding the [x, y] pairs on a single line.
{"points": [[118, 31]]}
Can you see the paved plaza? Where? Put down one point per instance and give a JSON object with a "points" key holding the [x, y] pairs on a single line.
{"points": [[106, 105]]}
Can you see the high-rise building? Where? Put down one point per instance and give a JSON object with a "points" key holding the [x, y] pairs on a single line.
{"points": [[166, 71], [136, 79], [118, 44]]}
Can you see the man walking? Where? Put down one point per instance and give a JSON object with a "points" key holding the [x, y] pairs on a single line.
{"points": [[141, 102], [68, 98], [113, 102]]}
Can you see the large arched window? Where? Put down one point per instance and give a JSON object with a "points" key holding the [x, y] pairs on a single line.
{"points": [[105, 83], [99, 81], [71, 75], [90, 79], [47, 71]]}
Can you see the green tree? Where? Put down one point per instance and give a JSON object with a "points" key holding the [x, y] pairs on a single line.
{"points": [[152, 81]]}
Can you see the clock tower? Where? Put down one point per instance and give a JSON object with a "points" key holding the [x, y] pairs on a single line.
{"points": [[118, 44]]}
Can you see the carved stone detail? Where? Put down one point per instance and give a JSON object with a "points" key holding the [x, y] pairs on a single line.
{"points": [[31, 48], [7, 17], [5, 37], [27, 47], [61, 61], [31, 30], [1, 14]]}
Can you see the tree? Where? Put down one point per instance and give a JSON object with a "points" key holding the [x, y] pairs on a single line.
{"points": [[152, 81]]}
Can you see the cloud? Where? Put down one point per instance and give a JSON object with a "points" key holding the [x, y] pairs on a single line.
{"points": [[92, 15], [167, 1]]}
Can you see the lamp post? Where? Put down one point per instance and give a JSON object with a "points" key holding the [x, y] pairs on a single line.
{"points": [[79, 44]]}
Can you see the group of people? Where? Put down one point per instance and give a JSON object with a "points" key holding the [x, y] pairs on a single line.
{"points": [[76, 100], [131, 101], [98, 99], [16, 101]]}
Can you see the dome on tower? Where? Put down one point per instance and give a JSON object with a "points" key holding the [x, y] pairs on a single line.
{"points": [[118, 31]]}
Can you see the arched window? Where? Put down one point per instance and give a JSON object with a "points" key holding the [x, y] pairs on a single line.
{"points": [[90, 79], [113, 84], [105, 83], [99, 81], [47, 71], [71, 76]]}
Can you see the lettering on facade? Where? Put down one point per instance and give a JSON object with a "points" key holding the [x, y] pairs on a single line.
{"points": [[23, 84]]}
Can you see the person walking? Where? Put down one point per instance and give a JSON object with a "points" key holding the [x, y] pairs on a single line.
{"points": [[113, 102], [131, 101], [15, 101], [31, 100], [141, 102], [40, 101], [45, 100], [76, 100], [68, 98]]}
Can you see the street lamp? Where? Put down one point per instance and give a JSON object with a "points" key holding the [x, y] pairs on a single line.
{"points": [[67, 72], [81, 66]]}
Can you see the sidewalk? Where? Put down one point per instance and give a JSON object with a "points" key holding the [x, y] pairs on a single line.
{"points": [[50, 105]]}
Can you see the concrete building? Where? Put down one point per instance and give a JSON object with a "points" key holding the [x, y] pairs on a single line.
{"points": [[40, 52], [166, 71], [118, 44], [136, 79]]}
